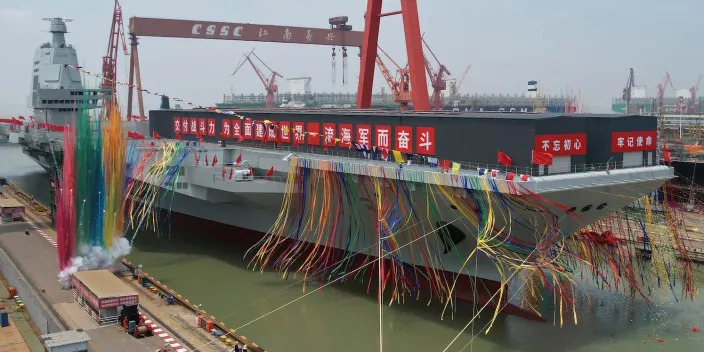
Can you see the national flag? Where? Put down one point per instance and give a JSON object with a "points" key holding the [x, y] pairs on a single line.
{"points": [[445, 165], [206, 160], [541, 158], [666, 154], [481, 171], [155, 135], [240, 138], [295, 140], [398, 157], [494, 173], [200, 139], [195, 156], [223, 173], [510, 176], [503, 158], [231, 169], [455, 168], [215, 160], [524, 177], [384, 153], [239, 159], [270, 172]]}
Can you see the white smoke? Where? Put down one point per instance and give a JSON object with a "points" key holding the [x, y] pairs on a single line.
{"points": [[93, 258]]}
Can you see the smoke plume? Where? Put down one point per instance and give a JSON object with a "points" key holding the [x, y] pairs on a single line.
{"points": [[93, 258]]}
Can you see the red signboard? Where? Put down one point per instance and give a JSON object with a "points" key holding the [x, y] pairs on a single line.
{"points": [[194, 126], [271, 131], [177, 125], [425, 140], [562, 144], [364, 133], [329, 134], [383, 136], [346, 135], [247, 132], [299, 132], [403, 139], [236, 128], [259, 131], [211, 127], [313, 133], [201, 126], [118, 301], [285, 132], [225, 128], [184, 125], [633, 141]]}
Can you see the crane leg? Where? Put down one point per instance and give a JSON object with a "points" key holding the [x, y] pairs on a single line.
{"points": [[416, 60], [133, 47], [369, 52]]}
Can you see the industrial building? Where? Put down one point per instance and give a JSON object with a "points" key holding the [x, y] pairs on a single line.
{"points": [[103, 295]]}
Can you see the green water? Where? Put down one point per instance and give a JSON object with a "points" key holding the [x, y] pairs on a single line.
{"points": [[345, 318]]}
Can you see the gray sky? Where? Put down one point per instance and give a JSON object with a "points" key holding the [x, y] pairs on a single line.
{"points": [[586, 45]]}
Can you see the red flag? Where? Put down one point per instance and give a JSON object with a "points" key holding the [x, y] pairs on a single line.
{"points": [[223, 173], [510, 176], [206, 160], [295, 140], [231, 173], [666, 154], [240, 138], [215, 160], [445, 164], [239, 158], [384, 153], [270, 172], [200, 138], [540, 158], [503, 158], [155, 135], [195, 156]]}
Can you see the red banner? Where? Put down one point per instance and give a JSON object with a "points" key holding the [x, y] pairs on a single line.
{"points": [[226, 131], [271, 132], [211, 127], [383, 136], [194, 126], [202, 130], [364, 135], [184, 125], [259, 131], [236, 128], [177, 125], [313, 133], [633, 141], [298, 132], [247, 129], [346, 135], [425, 140], [285, 132], [329, 134], [561, 144], [403, 137]]}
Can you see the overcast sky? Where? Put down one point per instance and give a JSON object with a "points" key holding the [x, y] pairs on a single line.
{"points": [[582, 45]]}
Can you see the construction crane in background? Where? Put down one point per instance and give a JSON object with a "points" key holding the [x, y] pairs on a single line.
{"points": [[627, 91], [117, 35], [269, 82], [401, 85], [661, 90], [455, 85], [693, 95], [437, 79]]}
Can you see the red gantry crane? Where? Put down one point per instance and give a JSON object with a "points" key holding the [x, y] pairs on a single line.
{"points": [[269, 82], [693, 95], [437, 79], [661, 90], [401, 86], [117, 35]]}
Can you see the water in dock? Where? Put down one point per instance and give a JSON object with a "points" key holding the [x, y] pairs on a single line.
{"points": [[344, 318]]}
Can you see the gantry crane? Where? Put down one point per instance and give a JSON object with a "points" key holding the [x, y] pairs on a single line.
{"points": [[628, 89], [400, 86], [117, 34], [456, 85], [269, 83], [661, 90], [693, 95], [437, 79]]}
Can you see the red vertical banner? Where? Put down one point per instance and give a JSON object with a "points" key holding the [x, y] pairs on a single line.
{"points": [[271, 131], [247, 129], [403, 139], [177, 125], [425, 140], [202, 130], [364, 135], [329, 134], [285, 132], [211, 127], [236, 128], [382, 136], [226, 132], [346, 135], [194, 125], [184, 125], [299, 132], [313, 133], [259, 131]]}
